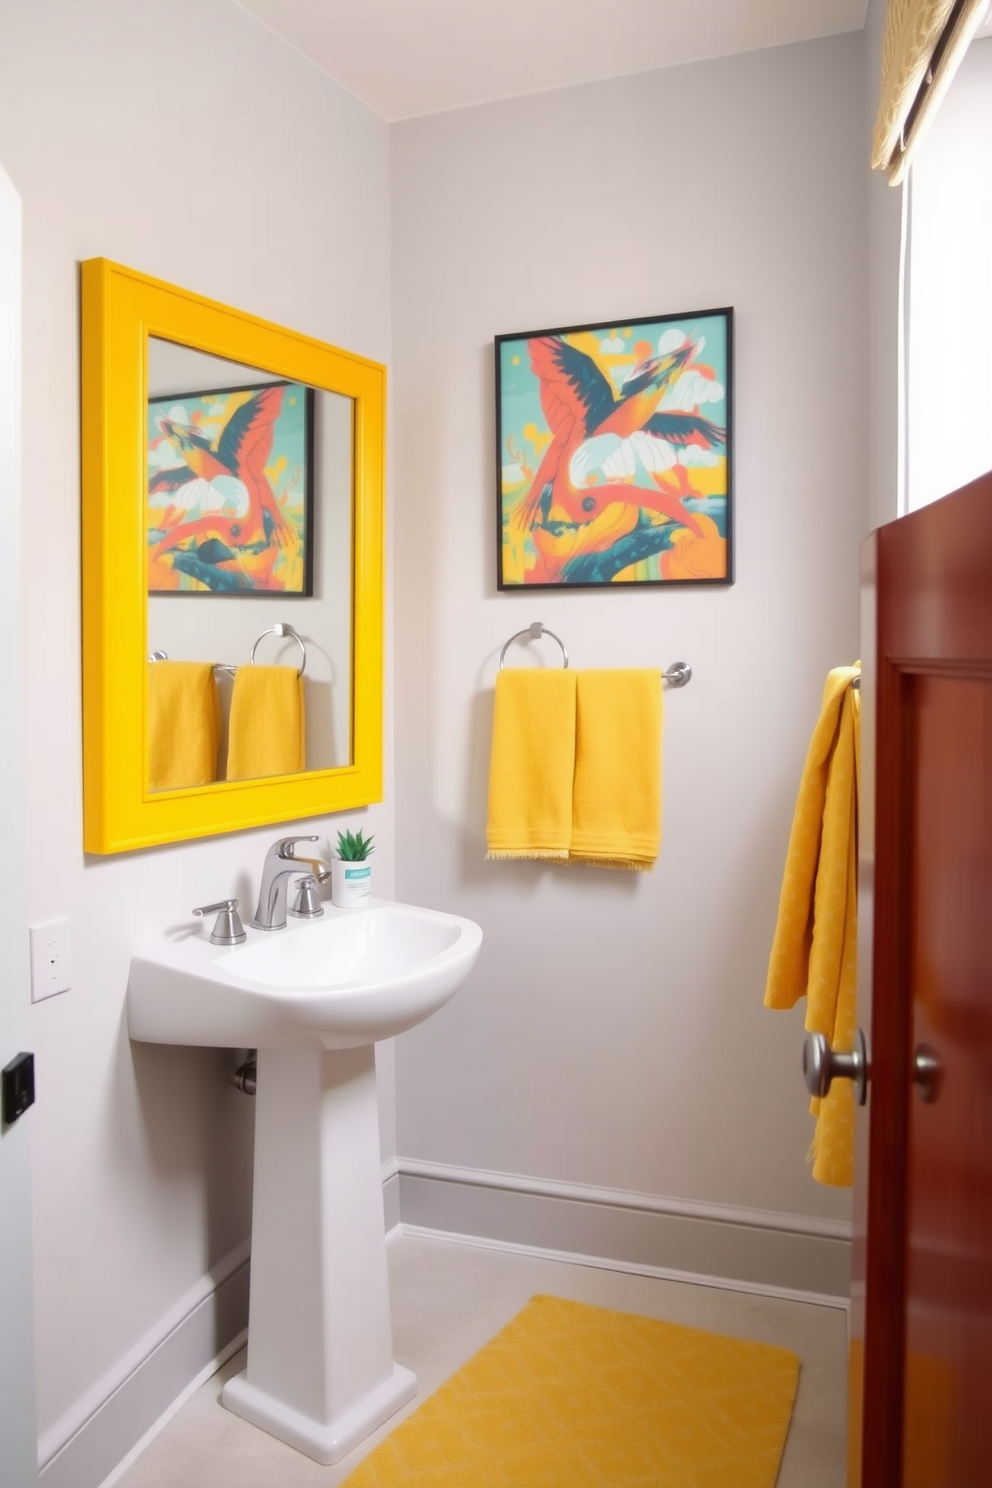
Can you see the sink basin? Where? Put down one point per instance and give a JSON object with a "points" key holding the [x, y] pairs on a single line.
{"points": [[350, 978], [312, 999]]}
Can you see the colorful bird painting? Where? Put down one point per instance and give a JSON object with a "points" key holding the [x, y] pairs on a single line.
{"points": [[635, 451], [214, 516], [590, 425]]}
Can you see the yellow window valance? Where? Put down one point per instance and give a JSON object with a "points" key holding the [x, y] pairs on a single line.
{"points": [[923, 43]]}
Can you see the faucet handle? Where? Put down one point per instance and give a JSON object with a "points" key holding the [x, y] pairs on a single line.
{"points": [[307, 906], [228, 930], [284, 847]]}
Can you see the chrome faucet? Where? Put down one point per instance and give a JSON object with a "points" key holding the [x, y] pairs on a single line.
{"points": [[280, 864]]}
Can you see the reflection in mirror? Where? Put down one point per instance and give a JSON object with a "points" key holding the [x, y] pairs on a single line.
{"points": [[249, 524]]}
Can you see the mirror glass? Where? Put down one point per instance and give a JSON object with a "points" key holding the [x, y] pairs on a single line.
{"points": [[249, 528], [232, 525]]}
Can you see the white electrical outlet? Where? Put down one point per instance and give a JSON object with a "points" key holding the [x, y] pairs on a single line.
{"points": [[51, 959]]}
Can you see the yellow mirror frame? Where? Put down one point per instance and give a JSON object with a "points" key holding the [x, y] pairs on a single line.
{"points": [[121, 309]]}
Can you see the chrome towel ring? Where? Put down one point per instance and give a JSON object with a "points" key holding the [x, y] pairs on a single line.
{"points": [[282, 630], [534, 631]]}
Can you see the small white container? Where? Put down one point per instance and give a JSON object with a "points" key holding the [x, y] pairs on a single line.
{"points": [[351, 883]]}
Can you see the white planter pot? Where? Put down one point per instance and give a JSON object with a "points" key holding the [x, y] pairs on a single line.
{"points": [[351, 883]]}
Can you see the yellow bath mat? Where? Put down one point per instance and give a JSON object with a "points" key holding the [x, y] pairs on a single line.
{"points": [[572, 1396]]}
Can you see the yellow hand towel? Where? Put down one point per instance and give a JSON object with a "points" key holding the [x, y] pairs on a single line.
{"points": [[533, 759], [814, 953], [267, 732], [183, 724], [616, 799]]}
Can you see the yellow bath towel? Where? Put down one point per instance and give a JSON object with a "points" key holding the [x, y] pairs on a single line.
{"points": [[814, 953], [616, 799], [183, 724], [267, 732], [533, 760]]}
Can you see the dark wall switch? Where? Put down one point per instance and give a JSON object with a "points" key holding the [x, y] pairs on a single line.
{"points": [[18, 1087]]}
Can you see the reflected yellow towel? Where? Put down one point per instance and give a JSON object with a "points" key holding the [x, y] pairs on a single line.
{"points": [[616, 799], [267, 733], [183, 724], [533, 760], [814, 952]]}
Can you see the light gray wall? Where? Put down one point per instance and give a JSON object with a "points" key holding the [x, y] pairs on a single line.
{"points": [[613, 1033], [183, 139]]}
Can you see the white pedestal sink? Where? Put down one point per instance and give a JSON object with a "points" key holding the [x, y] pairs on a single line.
{"points": [[312, 998]]}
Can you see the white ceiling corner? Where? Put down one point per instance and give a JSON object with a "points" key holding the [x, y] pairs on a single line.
{"points": [[405, 58]]}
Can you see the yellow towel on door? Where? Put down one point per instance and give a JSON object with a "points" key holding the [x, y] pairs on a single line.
{"points": [[183, 724], [267, 732], [533, 761], [616, 798], [814, 953]]}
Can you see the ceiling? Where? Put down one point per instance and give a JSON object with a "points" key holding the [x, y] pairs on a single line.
{"points": [[404, 58]]}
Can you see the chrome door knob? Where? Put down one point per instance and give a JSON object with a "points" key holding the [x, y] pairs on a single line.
{"points": [[928, 1074], [822, 1065]]}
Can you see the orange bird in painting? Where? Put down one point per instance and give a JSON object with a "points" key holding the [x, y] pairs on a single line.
{"points": [[240, 453], [580, 406]]}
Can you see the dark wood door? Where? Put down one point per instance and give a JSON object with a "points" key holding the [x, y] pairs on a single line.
{"points": [[921, 1345]]}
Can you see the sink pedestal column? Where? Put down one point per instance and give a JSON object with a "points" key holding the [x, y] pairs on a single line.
{"points": [[320, 1373]]}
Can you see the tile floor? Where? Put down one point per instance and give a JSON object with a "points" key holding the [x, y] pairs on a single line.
{"points": [[448, 1299]]}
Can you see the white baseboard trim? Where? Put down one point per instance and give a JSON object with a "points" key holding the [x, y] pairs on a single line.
{"points": [[799, 1256], [761, 1219], [205, 1373], [92, 1443], [391, 1194], [630, 1268]]}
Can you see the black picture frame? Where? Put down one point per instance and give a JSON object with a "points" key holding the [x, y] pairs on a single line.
{"points": [[592, 418]]}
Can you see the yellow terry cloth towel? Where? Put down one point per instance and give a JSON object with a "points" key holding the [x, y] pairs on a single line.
{"points": [[814, 952], [267, 731], [183, 724], [533, 761], [616, 799]]}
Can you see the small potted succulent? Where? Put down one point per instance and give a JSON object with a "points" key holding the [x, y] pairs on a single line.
{"points": [[351, 871]]}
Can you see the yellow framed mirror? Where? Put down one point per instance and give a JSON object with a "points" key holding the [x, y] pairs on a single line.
{"points": [[149, 346]]}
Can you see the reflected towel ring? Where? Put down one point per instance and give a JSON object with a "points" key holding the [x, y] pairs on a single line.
{"points": [[534, 631], [282, 630]]}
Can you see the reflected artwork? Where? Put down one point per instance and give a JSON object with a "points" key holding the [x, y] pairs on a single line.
{"points": [[229, 491]]}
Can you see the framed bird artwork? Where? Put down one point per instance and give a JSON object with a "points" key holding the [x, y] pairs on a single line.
{"points": [[615, 453], [230, 508]]}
